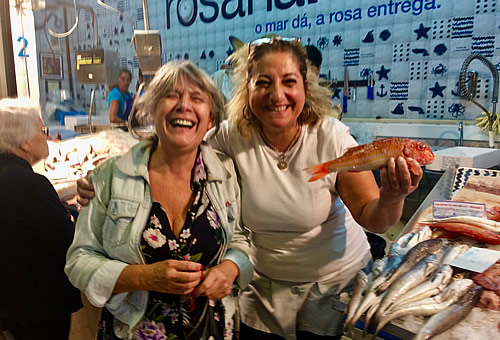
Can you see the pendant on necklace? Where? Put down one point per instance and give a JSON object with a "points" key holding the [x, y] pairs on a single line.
{"points": [[282, 164]]}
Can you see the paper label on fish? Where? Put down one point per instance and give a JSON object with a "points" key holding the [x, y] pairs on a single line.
{"points": [[477, 259], [444, 209]]}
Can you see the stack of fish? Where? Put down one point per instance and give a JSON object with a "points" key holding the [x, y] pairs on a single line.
{"points": [[414, 279]]}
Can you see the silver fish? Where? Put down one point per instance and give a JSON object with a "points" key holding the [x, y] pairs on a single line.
{"points": [[392, 264], [422, 234], [403, 240], [444, 320], [371, 312], [396, 254], [360, 283], [394, 260], [369, 298], [378, 267], [454, 289], [429, 288], [416, 275], [415, 254], [428, 306], [454, 252]]}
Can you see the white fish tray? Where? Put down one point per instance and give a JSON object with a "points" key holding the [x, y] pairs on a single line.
{"points": [[462, 156]]}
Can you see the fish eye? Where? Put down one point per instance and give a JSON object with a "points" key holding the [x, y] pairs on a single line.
{"points": [[421, 147]]}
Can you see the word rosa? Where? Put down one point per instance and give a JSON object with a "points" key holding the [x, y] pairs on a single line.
{"points": [[189, 10]]}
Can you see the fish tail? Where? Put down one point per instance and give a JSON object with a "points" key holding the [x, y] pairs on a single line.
{"points": [[317, 171]]}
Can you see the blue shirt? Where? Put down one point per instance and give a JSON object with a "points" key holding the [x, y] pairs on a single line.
{"points": [[125, 102]]}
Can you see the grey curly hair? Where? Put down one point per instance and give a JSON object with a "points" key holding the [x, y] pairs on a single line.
{"points": [[317, 104], [18, 122]]}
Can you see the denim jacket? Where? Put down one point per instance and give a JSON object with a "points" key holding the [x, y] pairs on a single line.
{"points": [[108, 231]]}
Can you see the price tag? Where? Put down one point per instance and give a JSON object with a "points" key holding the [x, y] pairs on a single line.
{"points": [[477, 259], [444, 209]]}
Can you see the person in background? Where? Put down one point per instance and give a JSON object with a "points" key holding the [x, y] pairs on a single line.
{"points": [[36, 298], [142, 79], [314, 56], [120, 99], [161, 244], [307, 238], [223, 81]]}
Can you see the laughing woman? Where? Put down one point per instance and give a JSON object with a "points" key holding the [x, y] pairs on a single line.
{"points": [[161, 245]]}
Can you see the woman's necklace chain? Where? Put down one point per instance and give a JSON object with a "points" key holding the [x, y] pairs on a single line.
{"points": [[282, 162]]}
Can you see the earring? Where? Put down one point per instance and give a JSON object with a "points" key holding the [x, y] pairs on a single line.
{"points": [[246, 115]]}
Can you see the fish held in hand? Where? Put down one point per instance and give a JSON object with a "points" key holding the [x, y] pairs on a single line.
{"points": [[375, 155]]}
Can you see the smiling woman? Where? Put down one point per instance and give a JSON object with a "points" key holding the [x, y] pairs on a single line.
{"points": [[307, 239], [161, 244]]}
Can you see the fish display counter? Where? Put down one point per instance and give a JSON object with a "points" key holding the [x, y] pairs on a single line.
{"points": [[73, 158], [441, 278]]}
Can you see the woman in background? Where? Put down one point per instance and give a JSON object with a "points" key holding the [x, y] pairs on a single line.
{"points": [[120, 99], [161, 243], [36, 298]]}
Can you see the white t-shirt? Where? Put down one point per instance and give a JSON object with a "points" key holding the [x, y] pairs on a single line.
{"points": [[301, 231]]}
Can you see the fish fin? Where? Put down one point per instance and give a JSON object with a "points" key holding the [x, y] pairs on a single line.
{"points": [[317, 171], [412, 167]]}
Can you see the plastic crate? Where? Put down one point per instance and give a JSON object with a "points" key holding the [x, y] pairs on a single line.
{"points": [[59, 115]]}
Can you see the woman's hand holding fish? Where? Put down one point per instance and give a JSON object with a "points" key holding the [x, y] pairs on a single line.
{"points": [[376, 209], [397, 181]]}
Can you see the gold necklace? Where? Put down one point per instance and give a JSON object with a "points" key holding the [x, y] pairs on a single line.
{"points": [[282, 163]]}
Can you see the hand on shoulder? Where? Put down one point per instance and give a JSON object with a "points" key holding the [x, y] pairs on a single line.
{"points": [[85, 190]]}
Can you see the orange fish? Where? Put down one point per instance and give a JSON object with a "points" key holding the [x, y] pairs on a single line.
{"points": [[375, 155], [469, 230]]}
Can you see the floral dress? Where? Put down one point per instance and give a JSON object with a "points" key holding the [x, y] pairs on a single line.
{"points": [[171, 316]]}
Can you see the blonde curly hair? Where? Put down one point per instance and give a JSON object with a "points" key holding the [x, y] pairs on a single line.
{"points": [[317, 102]]}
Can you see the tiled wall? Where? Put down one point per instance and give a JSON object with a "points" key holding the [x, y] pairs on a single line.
{"points": [[415, 48]]}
